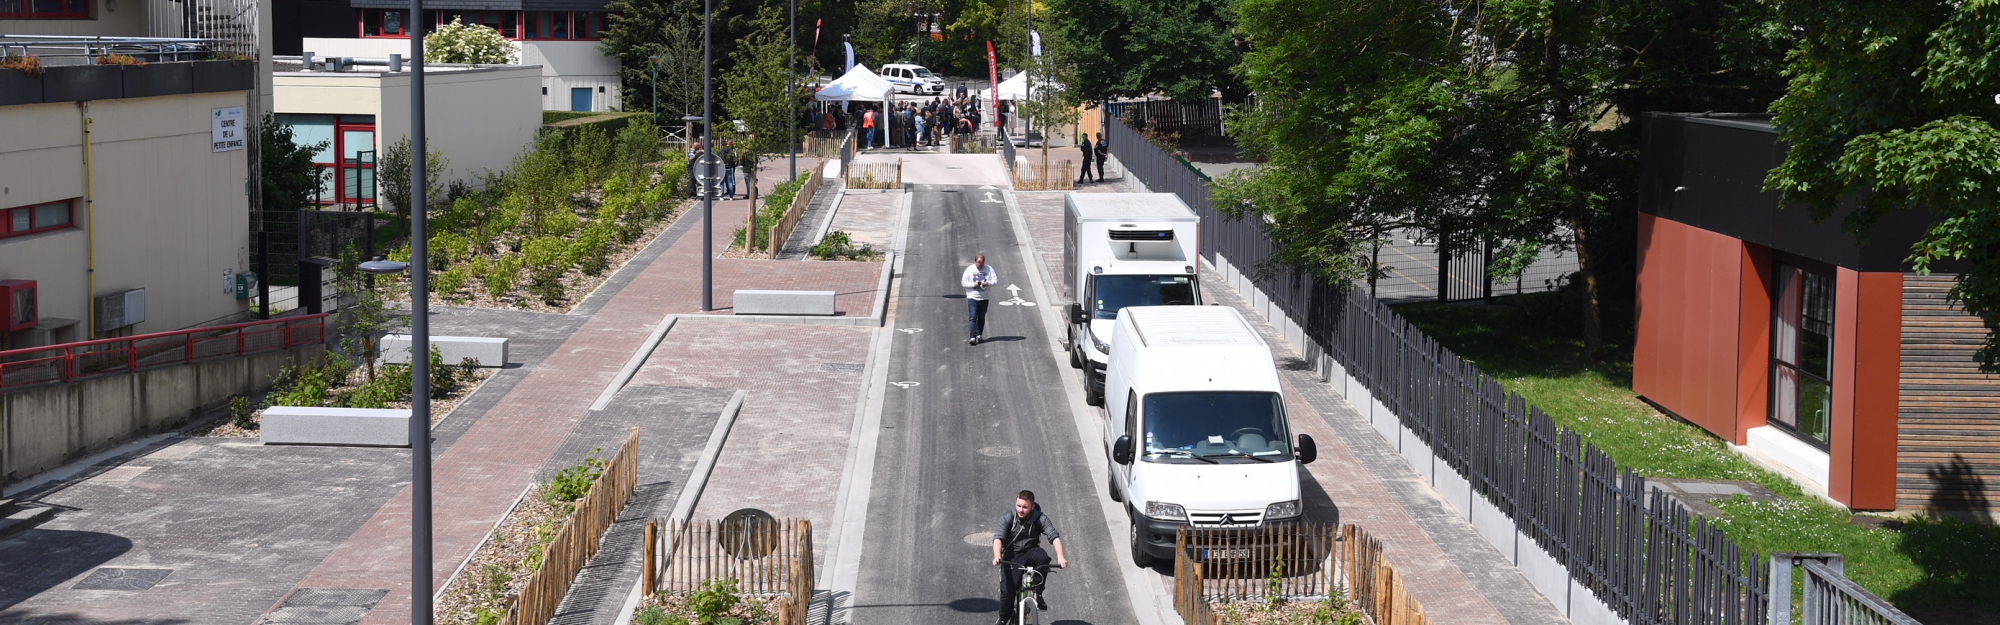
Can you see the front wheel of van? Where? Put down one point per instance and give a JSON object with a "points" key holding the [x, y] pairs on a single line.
{"points": [[1140, 557]]}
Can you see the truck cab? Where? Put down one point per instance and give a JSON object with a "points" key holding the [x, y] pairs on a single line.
{"points": [[1196, 428], [1119, 250]]}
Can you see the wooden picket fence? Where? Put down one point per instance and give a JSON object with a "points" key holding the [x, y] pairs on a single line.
{"points": [[1303, 562], [769, 559], [577, 541], [875, 175], [782, 231], [1049, 176]]}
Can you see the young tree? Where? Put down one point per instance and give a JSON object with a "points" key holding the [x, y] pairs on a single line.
{"points": [[756, 94], [459, 42], [393, 174], [640, 31], [290, 179], [1893, 102]]}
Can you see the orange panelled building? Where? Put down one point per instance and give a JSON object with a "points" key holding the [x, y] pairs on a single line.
{"points": [[1814, 356]]}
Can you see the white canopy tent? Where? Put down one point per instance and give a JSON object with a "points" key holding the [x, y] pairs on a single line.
{"points": [[857, 85], [1016, 88]]}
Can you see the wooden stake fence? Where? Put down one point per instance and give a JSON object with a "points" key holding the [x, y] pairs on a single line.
{"points": [[1305, 562], [577, 541], [1039, 176], [769, 559], [782, 231]]}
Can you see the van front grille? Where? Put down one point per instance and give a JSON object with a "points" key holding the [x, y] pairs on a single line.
{"points": [[1142, 235], [1225, 518]]}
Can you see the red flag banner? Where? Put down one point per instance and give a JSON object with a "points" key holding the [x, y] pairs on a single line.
{"points": [[993, 76]]}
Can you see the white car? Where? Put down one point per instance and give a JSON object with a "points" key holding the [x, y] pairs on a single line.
{"points": [[915, 79]]}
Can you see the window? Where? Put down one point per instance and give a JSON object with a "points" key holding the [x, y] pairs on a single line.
{"points": [[503, 21], [25, 220], [380, 22], [45, 9], [562, 25], [1802, 353], [1209, 426], [347, 163]]}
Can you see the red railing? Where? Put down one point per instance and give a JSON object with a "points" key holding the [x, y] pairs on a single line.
{"points": [[70, 362]]}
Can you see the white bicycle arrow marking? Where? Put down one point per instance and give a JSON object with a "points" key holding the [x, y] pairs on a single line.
{"points": [[991, 200], [909, 330], [1014, 290], [1017, 301], [906, 385]]}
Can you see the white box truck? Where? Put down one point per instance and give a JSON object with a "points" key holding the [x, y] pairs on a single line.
{"points": [[1195, 428], [1123, 249]]}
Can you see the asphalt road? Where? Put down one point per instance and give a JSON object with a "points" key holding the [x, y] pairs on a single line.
{"points": [[980, 424]]}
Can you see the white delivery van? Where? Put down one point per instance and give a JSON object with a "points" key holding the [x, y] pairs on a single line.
{"points": [[1195, 421], [1123, 249], [909, 78]]}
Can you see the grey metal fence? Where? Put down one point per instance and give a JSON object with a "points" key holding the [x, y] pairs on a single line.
{"points": [[1828, 597], [1643, 554]]}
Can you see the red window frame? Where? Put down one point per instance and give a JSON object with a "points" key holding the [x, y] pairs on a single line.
{"points": [[63, 9], [362, 23], [578, 25], [524, 26], [8, 217]]}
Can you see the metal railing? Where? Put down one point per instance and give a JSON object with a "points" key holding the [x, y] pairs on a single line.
{"points": [[82, 50], [1641, 553], [71, 362], [1829, 598]]}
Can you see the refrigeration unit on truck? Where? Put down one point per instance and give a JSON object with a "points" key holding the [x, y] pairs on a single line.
{"points": [[1196, 429], [1123, 249]]}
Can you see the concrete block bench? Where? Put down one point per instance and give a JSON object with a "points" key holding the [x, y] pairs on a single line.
{"points": [[302, 425], [490, 352], [753, 302]]}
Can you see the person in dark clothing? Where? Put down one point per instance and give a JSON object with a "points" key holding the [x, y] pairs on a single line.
{"points": [[1103, 152], [1018, 541], [1088, 156]]}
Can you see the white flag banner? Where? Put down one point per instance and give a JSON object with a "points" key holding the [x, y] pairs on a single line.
{"points": [[1035, 41]]}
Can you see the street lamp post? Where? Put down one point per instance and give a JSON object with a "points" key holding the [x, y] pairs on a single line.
{"points": [[655, 62], [708, 143], [420, 364], [792, 82]]}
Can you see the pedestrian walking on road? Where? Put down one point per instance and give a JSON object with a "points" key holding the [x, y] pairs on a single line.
{"points": [[977, 279], [1089, 155], [1018, 541], [1103, 152]]}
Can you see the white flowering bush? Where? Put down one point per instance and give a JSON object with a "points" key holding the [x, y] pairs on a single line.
{"points": [[459, 42]]}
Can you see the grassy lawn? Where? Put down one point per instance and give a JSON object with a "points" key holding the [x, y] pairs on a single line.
{"points": [[1533, 346]]}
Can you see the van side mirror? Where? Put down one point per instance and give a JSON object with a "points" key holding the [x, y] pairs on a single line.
{"points": [[1121, 450], [1076, 314], [1308, 451]]}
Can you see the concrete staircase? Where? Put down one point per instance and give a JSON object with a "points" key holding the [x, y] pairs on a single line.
{"points": [[15, 519]]}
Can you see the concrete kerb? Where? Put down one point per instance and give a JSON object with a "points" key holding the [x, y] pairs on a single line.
{"points": [[690, 494], [1140, 585], [832, 211]]}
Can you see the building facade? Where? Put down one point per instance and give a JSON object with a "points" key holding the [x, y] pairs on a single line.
{"points": [[116, 191], [1821, 358], [559, 36]]}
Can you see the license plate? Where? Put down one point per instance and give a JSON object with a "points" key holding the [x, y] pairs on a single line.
{"points": [[1226, 554]]}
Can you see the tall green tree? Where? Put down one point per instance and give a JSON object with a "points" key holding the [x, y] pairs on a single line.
{"points": [[1894, 102], [290, 179], [1183, 49], [636, 32], [1504, 122], [756, 87]]}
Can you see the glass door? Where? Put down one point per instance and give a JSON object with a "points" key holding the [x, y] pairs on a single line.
{"points": [[1802, 354], [357, 164]]}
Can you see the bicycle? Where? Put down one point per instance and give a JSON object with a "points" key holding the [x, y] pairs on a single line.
{"points": [[1026, 605]]}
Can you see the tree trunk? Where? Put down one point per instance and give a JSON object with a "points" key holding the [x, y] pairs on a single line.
{"points": [[1593, 309]]}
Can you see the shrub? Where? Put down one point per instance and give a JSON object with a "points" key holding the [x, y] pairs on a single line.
{"points": [[714, 601], [459, 42], [444, 379], [656, 615], [120, 59], [838, 244], [467, 368], [309, 384], [573, 483], [590, 153], [501, 274], [242, 412], [450, 282], [590, 253], [547, 260], [29, 64]]}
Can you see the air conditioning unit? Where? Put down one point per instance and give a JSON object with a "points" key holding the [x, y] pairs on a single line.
{"points": [[119, 310], [19, 309]]}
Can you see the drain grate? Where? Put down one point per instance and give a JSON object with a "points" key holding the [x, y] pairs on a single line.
{"points": [[841, 367], [108, 578], [325, 606]]}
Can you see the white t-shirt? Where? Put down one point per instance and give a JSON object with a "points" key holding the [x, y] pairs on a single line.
{"points": [[976, 281]]}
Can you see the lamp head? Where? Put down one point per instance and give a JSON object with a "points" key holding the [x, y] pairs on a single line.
{"points": [[383, 267]]}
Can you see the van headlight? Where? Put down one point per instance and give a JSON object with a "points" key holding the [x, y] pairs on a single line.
{"points": [[1166, 511], [1101, 345], [1282, 510]]}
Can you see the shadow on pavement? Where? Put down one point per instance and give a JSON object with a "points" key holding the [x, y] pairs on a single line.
{"points": [[39, 560]]}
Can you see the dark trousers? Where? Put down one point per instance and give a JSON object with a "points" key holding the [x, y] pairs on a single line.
{"points": [[975, 310], [1100, 167], [1084, 174], [1010, 578]]}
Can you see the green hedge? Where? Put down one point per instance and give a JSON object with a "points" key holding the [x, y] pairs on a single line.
{"points": [[550, 117], [610, 123]]}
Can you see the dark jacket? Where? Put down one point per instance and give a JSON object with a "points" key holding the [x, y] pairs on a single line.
{"points": [[1017, 535]]}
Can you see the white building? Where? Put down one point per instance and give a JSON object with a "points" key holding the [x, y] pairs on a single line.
{"points": [[561, 37]]}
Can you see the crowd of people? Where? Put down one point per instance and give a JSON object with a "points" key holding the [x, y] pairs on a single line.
{"points": [[908, 125]]}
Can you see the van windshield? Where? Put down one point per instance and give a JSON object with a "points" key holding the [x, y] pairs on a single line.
{"points": [[922, 73], [1113, 293], [1219, 426]]}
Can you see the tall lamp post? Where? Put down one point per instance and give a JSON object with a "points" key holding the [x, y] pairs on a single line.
{"points": [[792, 82], [420, 389], [708, 143], [655, 62]]}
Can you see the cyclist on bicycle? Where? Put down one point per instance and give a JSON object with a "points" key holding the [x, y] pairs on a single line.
{"points": [[1018, 541]]}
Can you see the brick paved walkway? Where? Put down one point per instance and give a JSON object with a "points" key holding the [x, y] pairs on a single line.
{"points": [[1455, 574], [869, 216]]}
